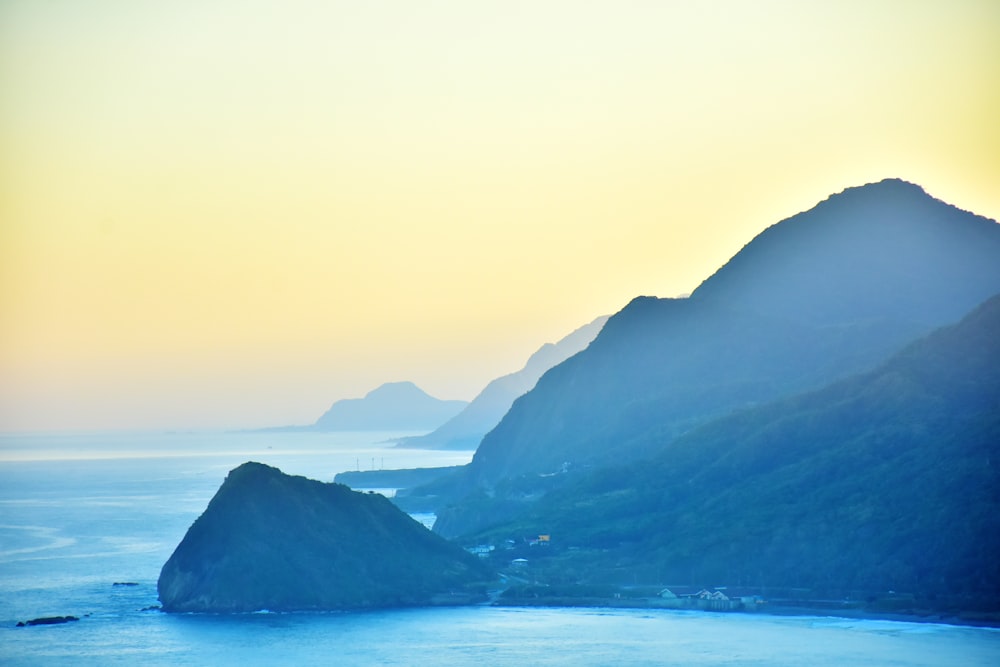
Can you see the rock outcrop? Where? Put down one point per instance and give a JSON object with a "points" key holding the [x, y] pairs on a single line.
{"points": [[48, 620], [273, 541]]}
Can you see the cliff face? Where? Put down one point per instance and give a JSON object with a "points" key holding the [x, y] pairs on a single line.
{"points": [[273, 541]]}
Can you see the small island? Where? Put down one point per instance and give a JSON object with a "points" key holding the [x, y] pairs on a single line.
{"points": [[271, 541]]}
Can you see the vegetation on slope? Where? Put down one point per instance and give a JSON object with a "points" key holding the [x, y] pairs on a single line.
{"points": [[884, 481]]}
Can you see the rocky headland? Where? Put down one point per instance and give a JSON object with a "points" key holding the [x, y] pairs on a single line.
{"points": [[271, 541]]}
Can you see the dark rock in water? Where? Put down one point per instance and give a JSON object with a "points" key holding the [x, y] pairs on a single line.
{"points": [[125, 583], [48, 620], [273, 541]]}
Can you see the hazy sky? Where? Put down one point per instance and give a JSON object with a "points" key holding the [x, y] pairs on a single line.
{"points": [[232, 213]]}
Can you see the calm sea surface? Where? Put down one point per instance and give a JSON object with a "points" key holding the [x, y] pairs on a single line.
{"points": [[81, 512]]}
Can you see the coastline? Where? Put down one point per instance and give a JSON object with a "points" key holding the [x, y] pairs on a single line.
{"points": [[963, 618], [966, 618]]}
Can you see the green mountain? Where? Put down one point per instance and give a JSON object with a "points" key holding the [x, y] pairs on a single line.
{"points": [[272, 541], [824, 294], [887, 480]]}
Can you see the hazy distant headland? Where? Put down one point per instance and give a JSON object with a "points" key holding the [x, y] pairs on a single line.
{"points": [[819, 420], [466, 429], [402, 406], [393, 406]]}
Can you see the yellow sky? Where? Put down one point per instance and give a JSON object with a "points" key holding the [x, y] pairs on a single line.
{"points": [[228, 213]]}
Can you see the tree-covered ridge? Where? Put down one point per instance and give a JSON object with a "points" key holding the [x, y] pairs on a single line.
{"points": [[273, 541], [887, 480]]}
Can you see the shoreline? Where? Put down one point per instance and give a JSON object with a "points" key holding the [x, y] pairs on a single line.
{"points": [[962, 619], [967, 619]]}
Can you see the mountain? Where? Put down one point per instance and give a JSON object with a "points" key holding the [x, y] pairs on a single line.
{"points": [[466, 429], [272, 541], [394, 406], [887, 480], [818, 296]]}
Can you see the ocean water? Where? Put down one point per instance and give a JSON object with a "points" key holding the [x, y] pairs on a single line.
{"points": [[79, 513]]}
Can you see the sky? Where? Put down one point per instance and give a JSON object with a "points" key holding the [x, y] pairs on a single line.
{"points": [[231, 213]]}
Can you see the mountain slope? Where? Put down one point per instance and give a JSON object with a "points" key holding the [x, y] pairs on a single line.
{"points": [[887, 480], [393, 406], [272, 541], [466, 429], [839, 261], [820, 295]]}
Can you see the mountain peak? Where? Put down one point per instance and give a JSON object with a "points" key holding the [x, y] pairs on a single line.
{"points": [[868, 250], [887, 193], [886, 184], [404, 388]]}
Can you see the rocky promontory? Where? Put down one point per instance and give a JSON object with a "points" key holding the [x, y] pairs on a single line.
{"points": [[273, 541]]}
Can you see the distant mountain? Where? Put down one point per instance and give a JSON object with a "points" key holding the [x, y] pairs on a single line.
{"points": [[394, 406], [272, 541], [821, 295], [887, 480], [466, 429]]}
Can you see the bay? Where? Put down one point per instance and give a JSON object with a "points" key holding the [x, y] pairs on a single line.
{"points": [[81, 512]]}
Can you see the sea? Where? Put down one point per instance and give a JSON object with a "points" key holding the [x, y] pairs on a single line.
{"points": [[87, 521]]}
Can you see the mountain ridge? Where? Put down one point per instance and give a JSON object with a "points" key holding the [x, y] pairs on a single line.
{"points": [[801, 319]]}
